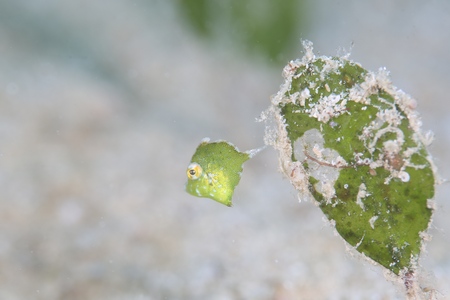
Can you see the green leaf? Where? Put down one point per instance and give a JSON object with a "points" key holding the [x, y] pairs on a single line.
{"points": [[354, 143], [215, 171]]}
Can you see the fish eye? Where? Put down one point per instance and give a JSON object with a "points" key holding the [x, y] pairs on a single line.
{"points": [[194, 171]]}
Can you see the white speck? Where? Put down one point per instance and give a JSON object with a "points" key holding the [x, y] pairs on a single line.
{"points": [[367, 161], [253, 152], [197, 191], [327, 189], [428, 138], [362, 193], [304, 95], [294, 97], [328, 107], [372, 221], [391, 116], [404, 176], [317, 151], [309, 54], [360, 242], [391, 147]]}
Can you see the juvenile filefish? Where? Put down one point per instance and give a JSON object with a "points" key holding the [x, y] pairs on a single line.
{"points": [[215, 170]]}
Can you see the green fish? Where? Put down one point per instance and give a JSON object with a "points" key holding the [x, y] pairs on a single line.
{"points": [[215, 170]]}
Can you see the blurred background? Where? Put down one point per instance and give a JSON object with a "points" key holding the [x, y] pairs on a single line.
{"points": [[102, 104]]}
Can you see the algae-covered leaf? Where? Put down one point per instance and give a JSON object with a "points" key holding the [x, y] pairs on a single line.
{"points": [[351, 140], [215, 171]]}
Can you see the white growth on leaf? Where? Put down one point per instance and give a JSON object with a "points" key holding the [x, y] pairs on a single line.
{"points": [[362, 193], [372, 221], [304, 95], [328, 107]]}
